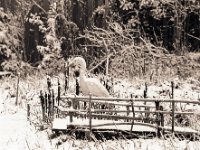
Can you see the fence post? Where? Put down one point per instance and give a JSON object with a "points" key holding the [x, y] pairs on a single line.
{"points": [[49, 106], [90, 114], [88, 133], [128, 111], [42, 101], [17, 91], [162, 120], [77, 87], [70, 113], [28, 112], [59, 88], [53, 103], [158, 118], [145, 96], [66, 74], [76, 102], [58, 98], [173, 105], [133, 111], [71, 108], [111, 86], [48, 83], [46, 103]]}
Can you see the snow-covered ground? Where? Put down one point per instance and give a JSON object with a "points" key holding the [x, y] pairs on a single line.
{"points": [[17, 133]]}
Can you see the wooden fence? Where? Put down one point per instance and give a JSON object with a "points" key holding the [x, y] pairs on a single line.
{"points": [[129, 111]]}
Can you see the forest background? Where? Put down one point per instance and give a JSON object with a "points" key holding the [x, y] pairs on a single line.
{"points": [[141, 37]]}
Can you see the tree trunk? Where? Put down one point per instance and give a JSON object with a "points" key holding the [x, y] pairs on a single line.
{"points": [[177, 30], [3, 4]]}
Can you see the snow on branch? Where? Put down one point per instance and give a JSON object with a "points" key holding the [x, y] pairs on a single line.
{"points": [[119, 44]]}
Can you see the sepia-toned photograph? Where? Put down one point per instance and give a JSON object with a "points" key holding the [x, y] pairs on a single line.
{"points": [[99, 74]]}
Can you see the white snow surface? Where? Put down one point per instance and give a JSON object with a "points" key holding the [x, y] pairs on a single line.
{"points": [[16, 133]]}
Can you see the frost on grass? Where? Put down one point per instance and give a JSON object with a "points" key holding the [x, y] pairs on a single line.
{"points": [[18, 133]]}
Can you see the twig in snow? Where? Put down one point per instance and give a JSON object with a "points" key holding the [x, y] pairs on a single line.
{"points": [[17, 94], [27, 144]]}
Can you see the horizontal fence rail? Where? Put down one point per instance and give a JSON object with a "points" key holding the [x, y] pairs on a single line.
{"points": [[105, 99], [125, 111], [111, 102]]}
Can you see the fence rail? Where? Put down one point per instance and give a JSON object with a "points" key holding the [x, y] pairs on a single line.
{"points": [[125, 111], [54, 106], [128, 113], [105, 99]]}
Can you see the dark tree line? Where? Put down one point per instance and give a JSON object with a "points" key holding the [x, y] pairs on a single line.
{"points": [[172, 24]]}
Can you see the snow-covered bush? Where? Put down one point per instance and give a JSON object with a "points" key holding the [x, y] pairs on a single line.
{"points": [[4, 37], [36, 20], [10, 43]]}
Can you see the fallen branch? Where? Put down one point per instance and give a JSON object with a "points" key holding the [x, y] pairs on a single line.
{"points": [[17, 91], [193, 36]]}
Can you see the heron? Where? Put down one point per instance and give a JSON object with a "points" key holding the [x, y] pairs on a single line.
{"points": [[88, 86]]}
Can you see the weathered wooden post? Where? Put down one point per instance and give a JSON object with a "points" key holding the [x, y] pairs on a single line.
{"points": [[128, 111], [49, 106], [173, 105], [42, 100], [49, 83], [88, 132], [59, 90], [146, 109], [72, 107], [66, 74], [157, 103], [162, 120], [46, 103], [58, 98], [90, 113], [17, 91], [145, 90], [76, 102], [28, 112], [112, 85], [53, 103], [133, 111], [77, 87]]}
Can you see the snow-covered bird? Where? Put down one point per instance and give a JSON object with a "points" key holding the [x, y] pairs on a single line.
{"points": [[87, 85]]}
